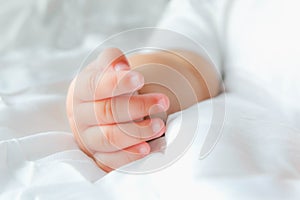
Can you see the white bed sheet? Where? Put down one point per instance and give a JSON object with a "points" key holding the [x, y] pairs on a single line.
{"points": [[257, 157]]}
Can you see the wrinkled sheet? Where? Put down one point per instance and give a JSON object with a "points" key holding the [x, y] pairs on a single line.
{"points": [[256, 157]]}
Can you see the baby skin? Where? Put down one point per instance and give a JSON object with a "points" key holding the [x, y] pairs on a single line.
{"points": [[116, 104]]}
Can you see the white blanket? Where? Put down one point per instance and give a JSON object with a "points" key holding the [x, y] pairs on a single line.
{"points": [[257, 156]]}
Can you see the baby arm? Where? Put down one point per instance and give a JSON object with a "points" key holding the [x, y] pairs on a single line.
{"points": [[184, 76], [107, 115]]}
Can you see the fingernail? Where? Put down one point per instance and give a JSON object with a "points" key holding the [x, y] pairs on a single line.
{"points": [[156, 126], [143, 150], [136, 80], [121, 67], [164, 103]]}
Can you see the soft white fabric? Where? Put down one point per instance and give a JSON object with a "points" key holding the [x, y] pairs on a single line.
{"points": [[255, 42], [257, 156]]}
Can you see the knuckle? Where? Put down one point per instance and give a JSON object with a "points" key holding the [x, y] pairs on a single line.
{"points": [[92, 83], [142, 106], [109, 137], [106, 113], [114, 82], [139, 133]]}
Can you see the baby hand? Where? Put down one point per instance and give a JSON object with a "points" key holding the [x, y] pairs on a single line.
{"points": [[107, 115]]}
